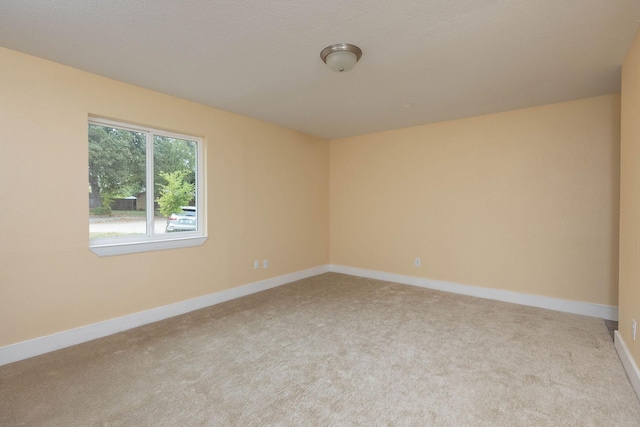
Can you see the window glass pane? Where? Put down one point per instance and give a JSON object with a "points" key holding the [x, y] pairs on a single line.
{"points": [[116, 182], [174, 169]]}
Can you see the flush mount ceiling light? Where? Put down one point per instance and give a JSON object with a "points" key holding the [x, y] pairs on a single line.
{"points": [[341, 57]]}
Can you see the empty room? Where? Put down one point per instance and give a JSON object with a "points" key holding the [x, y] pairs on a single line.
{"points": [[320, 213]]}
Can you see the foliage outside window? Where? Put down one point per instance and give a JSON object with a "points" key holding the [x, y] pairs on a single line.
{"points": [[145, 190]]}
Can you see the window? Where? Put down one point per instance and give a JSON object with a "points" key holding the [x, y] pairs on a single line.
{"points": [[145, 189]]}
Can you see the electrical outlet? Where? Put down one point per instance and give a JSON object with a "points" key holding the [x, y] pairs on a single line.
{"points": [[417, 262], [633, 328], [256, 264], [265, 263]]}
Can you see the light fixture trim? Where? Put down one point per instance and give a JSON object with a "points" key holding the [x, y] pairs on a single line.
{"points": [[341, 47]]}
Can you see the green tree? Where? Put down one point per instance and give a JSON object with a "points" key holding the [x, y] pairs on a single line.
{"points": [[177, 191], [116, 163], [171, 155]]}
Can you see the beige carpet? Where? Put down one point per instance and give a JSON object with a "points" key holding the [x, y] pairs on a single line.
{"points": [[334, 350]]}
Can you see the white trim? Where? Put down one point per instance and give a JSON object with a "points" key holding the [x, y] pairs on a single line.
{"points": [[557, 304], [147, 245], [41, 345], [627, 361]]}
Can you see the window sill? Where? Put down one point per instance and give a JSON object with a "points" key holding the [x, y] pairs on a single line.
{"points": [[149, 246]]}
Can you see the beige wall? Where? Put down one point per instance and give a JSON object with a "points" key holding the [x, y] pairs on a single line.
{"points": [[267, 192], [525, 201], [630, 201]]}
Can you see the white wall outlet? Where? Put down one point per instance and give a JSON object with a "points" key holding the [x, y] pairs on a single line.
{"points": [[265, 263], [633, 328], [256, 264], [417, 262]]}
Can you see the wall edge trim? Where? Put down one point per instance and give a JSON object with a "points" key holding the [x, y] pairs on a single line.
{"points": [[568, 306], [59, 340], [628, 363]]}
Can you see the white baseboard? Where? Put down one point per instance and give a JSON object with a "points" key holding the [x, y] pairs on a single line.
{"points": [[41, 345], [576, 307], [627, 361]]}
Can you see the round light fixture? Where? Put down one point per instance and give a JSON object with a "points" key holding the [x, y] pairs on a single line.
{"points": [[341, 57]]}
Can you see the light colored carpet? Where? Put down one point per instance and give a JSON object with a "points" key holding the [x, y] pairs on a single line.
{"points": [[334, 350]]}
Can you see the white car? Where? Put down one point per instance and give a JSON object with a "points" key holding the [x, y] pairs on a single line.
{"points": [[183, 221]]}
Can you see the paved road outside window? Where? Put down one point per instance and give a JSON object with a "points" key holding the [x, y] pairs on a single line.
{"points": [[125, 225]]}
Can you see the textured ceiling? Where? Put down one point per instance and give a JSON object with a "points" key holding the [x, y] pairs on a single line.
{"points": [[449, 59]]}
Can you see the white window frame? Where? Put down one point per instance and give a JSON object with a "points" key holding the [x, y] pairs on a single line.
{"points": [[109, 246]]}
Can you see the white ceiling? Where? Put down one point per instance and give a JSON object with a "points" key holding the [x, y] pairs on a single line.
{"points": [[449, 58]]}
